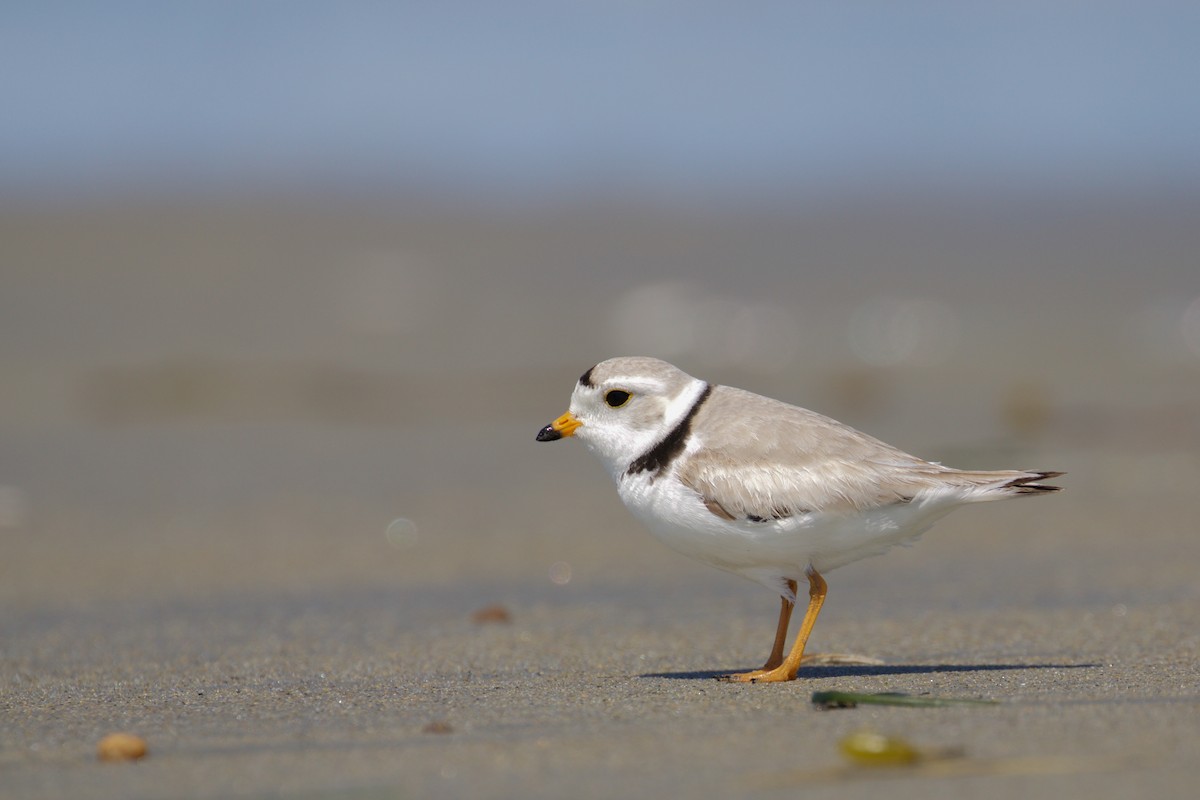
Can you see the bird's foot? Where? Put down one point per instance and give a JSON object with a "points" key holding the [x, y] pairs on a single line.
{"points": [[781, 673], [775, 675]]}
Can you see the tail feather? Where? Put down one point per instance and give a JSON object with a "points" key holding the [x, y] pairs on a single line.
{"points": [[1027, 483], [997, 484]]}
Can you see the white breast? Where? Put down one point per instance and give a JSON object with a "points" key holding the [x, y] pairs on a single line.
{"points": [[678, 517]]}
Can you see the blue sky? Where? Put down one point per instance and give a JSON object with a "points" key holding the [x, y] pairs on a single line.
{"points": [[534, 97]]}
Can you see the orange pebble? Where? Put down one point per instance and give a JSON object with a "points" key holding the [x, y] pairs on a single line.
{"points": [[121, 747], [493, 613]]}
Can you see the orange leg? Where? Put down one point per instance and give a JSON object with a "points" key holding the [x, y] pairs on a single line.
{"points": [[787, 669], [776, 657], [785, 617]]}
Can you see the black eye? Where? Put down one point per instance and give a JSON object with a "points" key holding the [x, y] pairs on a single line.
{"points": [[616, 398]]}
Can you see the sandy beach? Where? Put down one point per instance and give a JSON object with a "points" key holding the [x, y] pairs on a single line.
{"points": [[260, 466]]}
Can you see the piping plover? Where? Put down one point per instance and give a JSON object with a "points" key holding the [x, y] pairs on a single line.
{"points": [[760, 488]]}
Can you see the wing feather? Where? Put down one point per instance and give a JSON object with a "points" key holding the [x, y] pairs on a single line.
{"points": [[757, 458]]}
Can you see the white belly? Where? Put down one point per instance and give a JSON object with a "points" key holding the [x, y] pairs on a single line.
{"points": [[771, 552]]}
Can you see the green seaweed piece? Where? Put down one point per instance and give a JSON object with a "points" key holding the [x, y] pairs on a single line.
{"points": [[852, 699], [876, 750]]}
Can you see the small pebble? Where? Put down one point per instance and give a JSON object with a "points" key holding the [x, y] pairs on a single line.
{"points": [[492, 613], [121, 747], [438, 726]]}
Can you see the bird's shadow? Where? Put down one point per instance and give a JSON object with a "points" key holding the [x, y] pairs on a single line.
{"points": [[873, 669]]}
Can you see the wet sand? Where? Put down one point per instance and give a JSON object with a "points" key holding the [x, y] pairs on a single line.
{"points": [[205, 468]]}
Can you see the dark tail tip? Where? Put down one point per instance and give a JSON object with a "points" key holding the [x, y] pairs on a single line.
{"points": [[1027, 484]]}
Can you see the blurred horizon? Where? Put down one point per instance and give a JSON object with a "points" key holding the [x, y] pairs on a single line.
{"points": [[536, 104]]}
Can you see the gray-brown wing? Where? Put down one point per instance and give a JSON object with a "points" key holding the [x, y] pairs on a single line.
{"points": [[760, 459]]}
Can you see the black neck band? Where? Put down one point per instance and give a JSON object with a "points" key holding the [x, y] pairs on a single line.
{"points": [[660, 456]]}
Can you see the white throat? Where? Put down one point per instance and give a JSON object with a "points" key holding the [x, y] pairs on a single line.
{"points": [[618, 448]]}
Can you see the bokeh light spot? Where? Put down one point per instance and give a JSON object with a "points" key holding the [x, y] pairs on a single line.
{"points": [[890, 331], [13, 507], [560, 573], [1189, 327], [402, 533]]}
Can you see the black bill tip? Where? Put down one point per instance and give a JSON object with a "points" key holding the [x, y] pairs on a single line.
{"points": [[548, 434]]}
